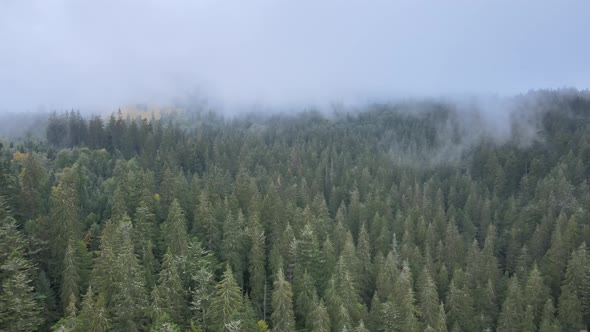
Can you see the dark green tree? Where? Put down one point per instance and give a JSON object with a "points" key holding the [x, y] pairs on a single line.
{"points": [[283, 318], [169, 296], [174, 230], [226, 308], [19, 309]]}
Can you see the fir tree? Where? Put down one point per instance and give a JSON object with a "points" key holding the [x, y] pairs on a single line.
{"points": [[19, 309], [256, 269], [226, 307], [283, 318], [428, 300], [320, 320], [169, 296], [174, 230], [233, 245], [93, 315], [513, 311]]}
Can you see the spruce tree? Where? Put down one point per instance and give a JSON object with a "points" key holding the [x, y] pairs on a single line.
{"points": [[513, 311], [570, 308], [70, 287], [361, 327], [19, 309], [256, 269], [119, 277], [174, 230], [93, 315], [428, 299], [365, 264], [441, 319], [200, 265], [226, 307], [548, 321], [233, 245], [460, 305], [169, 296], [305, 299], [536, 293], [320, 320], [206, 224], [283, 318]]}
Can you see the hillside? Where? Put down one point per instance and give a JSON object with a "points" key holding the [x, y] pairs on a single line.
{"points": [[410, 216]]}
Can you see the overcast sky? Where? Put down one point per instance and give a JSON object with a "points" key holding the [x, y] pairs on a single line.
{"points": [[109, 53]]}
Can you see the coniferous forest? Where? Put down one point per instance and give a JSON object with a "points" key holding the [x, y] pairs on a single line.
{"points": [[396, 217]]}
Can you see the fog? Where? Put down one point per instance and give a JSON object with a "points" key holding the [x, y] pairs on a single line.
{"points": [[96, 55]]}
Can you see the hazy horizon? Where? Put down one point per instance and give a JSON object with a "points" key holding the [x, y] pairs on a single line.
{"points": [[101, 55]]}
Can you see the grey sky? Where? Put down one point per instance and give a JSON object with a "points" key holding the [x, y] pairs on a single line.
{"points": [[103, 54]]}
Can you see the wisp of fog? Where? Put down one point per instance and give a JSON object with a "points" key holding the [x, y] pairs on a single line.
{"points": [[63, 54]]}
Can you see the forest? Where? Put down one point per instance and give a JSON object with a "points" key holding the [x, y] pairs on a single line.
{"points": [[381, 219]]}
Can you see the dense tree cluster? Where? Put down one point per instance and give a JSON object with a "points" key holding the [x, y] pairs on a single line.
{"points": [[193, 222]]}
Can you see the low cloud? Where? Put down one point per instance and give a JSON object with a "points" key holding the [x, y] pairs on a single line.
{"points": [[63, 54]]}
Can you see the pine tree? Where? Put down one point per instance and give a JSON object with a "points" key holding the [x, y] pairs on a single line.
{"points": [[343, 319], [233, 245], [283, 318], [536, 293], [387, 276], [119, 277], [513, 311], [149, 265], [308, 250], [305, 299], [486, 305], [68, 322], [144, 224], [570, 308], [489, 269], [19, 309], [390, 317], [428, 299], [578, 275], [548, 321], [365, 264], [93, 315], [120, 199], [328, 263], [226, 307], [528, 320], [33, 180], [174, 230], [65, 229], [169, 296], [348, 255], [256, 269], [206, 224], [441, 320], [375, 314], [555, 260], [164, 324], [406, 301], [320, 320], [48, 301], [361, 327], [169, 190], [460, 303], [71, 275], [200, 265]]}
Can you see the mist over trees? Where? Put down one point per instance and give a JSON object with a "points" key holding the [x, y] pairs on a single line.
{"points": [[385, 219]]}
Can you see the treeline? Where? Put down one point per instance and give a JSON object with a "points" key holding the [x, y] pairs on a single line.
{"points": [[70, 129], [302, 223]]}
